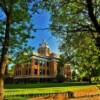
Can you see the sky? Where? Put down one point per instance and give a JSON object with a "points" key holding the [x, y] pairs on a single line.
{"points": [[41, 20]]}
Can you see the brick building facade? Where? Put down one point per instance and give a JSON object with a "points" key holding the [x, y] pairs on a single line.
{"points": [[41, 66]]}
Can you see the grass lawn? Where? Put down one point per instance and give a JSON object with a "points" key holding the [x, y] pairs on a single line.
{"points": [[22, 91]]}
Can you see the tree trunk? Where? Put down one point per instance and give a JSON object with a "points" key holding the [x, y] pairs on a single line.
{"points": [[1, 88], [90, 81], [4, 55], [89, 78], [92, 15], [94, 20], [2, 73], [98, 42]]}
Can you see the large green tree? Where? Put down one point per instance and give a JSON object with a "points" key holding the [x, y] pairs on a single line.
{"points": [[77, 23], [73, 16], [15, 30]]}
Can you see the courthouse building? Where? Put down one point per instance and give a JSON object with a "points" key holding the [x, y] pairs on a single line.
{"points": [[40, 67]]}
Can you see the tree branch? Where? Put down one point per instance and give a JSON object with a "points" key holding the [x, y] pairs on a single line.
{"points": [[92, 16], [3, 8]]}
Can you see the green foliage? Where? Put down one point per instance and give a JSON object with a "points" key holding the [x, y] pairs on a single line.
{"points": [[21, 27], [61, 62], [72, 24], [11, 71], [60, 67], [96, 79]]}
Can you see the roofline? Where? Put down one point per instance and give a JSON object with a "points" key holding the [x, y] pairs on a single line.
{"points": [[46, 57]]}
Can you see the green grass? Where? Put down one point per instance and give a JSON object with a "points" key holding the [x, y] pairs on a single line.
{"points": [[98, 85], [16, 98], [43, 85], [24, 90]]}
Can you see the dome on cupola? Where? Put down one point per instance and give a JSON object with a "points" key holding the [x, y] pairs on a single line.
{"points": [[44, 49], [44, 44]]}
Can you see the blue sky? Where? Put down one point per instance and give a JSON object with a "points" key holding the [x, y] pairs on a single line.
{"points": [[41, 20]]}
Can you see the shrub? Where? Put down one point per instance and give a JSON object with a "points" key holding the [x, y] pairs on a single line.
{"points": [[95, 79]]}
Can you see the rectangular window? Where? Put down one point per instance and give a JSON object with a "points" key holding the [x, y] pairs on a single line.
{"points": [[26, 72], [36, 62], [35, 71], [40, 72], [16, 73], [41, 64], [47, 64], [48, 72], [43, 72], [29, 71]]}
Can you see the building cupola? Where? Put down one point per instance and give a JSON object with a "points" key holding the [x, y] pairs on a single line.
{"points": [[44, 49], [44, 44]]}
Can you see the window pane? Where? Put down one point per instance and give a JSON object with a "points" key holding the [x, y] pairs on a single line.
{"points": [[36, 62], [48, 72], [35, 71]]}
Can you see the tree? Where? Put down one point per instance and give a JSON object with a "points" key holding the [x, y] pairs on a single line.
{"points": [[60, 67], [86, 59], [74, 16], [61, 62], [15, 30], [77, 23]]}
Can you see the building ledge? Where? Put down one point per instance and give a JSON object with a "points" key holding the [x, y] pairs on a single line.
{"points": [[33, 76]]}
